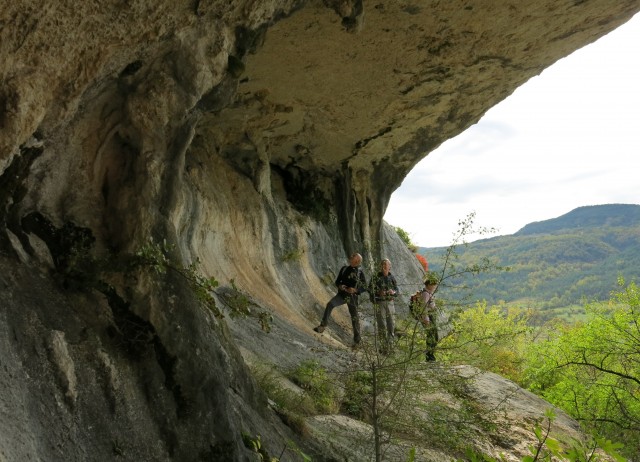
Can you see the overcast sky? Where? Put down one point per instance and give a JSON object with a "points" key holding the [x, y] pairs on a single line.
{"points": [[567, 138]]}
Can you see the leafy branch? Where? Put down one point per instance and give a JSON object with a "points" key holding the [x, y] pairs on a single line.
{"points": [[155, 257]]}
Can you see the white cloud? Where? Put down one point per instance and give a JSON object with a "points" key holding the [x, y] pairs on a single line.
{"points": [[565, 139]]}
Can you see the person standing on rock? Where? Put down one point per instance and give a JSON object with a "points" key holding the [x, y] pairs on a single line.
{"points": [[351, 283], [423, 308], [384, 290]]}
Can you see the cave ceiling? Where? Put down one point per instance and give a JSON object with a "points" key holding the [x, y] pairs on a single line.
{"points": [[379, 90]]}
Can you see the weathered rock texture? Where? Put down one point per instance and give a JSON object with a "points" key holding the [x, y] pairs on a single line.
{"points": [[262, 138]]}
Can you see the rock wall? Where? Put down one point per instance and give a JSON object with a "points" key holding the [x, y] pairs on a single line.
{"points": [[260, 139], [85, 379]]}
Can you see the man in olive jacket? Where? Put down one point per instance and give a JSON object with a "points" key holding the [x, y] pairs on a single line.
{"points": [[384, 289]]}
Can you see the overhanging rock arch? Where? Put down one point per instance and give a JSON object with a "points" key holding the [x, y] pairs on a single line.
{"points": [[369, 102]]}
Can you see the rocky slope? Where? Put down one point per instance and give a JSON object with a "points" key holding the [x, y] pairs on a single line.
{"points": [[261, 139]]}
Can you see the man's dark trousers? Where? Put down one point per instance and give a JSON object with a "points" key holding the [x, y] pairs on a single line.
{"points": [[352, 303]]}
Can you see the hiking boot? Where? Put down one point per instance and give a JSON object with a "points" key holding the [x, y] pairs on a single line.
{"points": [[319, 329]]}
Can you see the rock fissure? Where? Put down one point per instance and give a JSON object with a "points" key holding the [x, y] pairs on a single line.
{"points": [[12, 192]]}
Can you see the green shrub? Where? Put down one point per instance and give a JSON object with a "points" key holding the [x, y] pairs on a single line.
{"points": [[358, 389], [287, 402], [404, 236], [317, 384], [293, 255]]}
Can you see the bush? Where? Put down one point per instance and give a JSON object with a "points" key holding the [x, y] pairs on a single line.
{"points": [[357, 389], [492, 339], [404, 236], [317, 384], [592, 369]]}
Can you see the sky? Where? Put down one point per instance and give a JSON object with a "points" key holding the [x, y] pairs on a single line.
{"points": [[567, 138]]}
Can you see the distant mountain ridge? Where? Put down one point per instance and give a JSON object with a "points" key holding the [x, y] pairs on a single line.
{"points": [[589, 216], [553, 264]]}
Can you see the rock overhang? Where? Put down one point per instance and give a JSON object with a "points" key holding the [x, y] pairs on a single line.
{"points": [[407, 77], [341, 98]]}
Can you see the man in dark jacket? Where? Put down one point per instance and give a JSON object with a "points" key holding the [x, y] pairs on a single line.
{"points": [[350, 283], [384, 290]]}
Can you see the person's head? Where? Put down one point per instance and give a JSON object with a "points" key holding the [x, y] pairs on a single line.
{"points": [[385, 265], [355, 259]]}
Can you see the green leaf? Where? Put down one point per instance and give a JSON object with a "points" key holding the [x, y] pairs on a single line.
{"points": [[538, 431], [611, 449], [554, 446]]}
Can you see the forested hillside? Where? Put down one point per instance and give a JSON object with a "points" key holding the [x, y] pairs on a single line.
{"points": [[592, 216], [552, 264]]}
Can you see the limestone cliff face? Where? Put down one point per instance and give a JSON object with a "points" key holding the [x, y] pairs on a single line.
{"points": [[260, 138]]}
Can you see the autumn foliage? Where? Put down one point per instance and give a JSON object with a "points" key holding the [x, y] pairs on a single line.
{"points": [[423, 262]]}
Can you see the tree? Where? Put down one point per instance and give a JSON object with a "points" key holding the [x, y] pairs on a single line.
{"points": [[592, 370], [453, 270], [492, 339], [385, 387]]}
